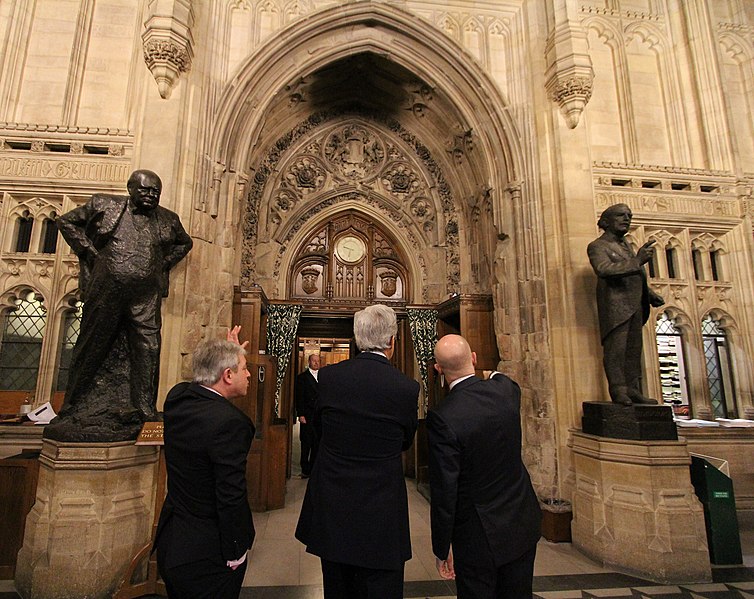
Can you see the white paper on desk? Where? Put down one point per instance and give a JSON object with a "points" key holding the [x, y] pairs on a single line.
{"points": [[695, 422], [736, 422], [43, 414]]}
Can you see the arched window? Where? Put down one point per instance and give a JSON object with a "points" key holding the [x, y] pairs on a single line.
{"points": [[672, 371], [49, 236], [719, 372], [68, 338], [670, 260], [652, 266], [714, 259], [23, 329], [696, 258], [24, 225]]}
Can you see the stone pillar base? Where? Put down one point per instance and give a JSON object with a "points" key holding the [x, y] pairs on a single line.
{"points": [[634, 508], [93, 512]]}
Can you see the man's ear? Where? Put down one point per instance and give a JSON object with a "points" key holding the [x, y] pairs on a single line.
{"points": [[473, 358], [227, 375], [438, 368]]}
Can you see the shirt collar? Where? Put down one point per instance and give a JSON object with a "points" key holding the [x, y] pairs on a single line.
{"points": [[314, 374], [213, 390], [455, 382]]}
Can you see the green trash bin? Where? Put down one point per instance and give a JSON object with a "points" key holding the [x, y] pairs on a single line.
{"points": [[715, 490]]}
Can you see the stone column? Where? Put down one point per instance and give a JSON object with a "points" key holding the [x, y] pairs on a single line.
{"points": [[93, 513], [634, 508]]}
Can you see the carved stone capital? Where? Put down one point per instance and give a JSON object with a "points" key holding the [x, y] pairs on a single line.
{"points": [[569, 70], [571, 93], [168, 43]]}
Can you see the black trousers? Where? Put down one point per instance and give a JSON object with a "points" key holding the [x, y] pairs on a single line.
{"points": [[309, 444], [344, 581], [482, 580], [204, 579]]}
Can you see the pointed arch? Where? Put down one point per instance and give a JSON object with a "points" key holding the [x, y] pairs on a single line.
{"points": [[384, 30]]}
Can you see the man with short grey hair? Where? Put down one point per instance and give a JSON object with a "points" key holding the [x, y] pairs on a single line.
{"points": [[205, 527], [355, 511]]}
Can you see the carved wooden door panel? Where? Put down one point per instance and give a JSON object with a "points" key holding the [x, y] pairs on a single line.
{"points": [[347, 260]]}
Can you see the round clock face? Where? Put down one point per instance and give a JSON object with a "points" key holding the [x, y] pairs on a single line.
{"points": [[350, 249]]}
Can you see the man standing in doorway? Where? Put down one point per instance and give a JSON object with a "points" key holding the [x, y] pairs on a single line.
{"points": [[306, 403], [205, 526], [484, 512], [355, 511]]}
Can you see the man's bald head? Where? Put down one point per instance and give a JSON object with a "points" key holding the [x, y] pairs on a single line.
{"points": [[454, 358]]}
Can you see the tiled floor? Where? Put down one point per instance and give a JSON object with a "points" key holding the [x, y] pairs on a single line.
{"points": [[280, 568]]}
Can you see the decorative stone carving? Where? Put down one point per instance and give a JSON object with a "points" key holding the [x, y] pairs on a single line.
{"points": [[400, 180], [420, 99], [569, 72], [284, 202], [460, 145], [344, 152], [355, 151], [168, 43], [306, 175], [572, 95], [422, 210]]}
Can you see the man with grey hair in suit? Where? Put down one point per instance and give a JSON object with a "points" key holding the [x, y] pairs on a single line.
{"points": [[623, 301], [205, 526], [355, 511]]}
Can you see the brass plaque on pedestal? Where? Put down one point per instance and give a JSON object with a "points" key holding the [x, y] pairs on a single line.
{"points": [[151, 434]]}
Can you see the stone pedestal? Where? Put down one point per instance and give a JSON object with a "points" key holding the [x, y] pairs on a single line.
{"points": [[93, 512], [634, 508], [642, 422]]}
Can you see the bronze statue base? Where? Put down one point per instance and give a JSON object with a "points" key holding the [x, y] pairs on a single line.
{"points": [[641, 422]]}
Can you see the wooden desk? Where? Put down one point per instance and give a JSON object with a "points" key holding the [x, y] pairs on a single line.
{"points": [[18, 490]]}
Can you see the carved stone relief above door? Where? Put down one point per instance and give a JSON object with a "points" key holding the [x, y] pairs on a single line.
{"points": [[383, 177]]}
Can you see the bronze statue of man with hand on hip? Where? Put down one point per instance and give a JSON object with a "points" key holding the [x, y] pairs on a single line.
{"points": [[126, 246]]}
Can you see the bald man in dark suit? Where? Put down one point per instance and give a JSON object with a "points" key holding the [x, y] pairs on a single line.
{"points": [[485, 516]]}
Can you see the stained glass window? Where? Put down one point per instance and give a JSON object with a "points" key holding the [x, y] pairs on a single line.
{"points": [[23, 329]]}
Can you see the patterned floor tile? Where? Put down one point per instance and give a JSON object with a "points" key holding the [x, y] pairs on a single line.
{"points": [[618, 592]]}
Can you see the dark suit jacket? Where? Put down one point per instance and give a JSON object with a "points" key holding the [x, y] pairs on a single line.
{"points": [[477, 476], [621, 285], [92, 224], [206, 512], [355, 510], [306, 395]]}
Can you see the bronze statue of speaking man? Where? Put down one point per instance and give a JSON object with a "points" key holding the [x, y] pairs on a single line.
{"points": [[623, 301], [126, 246]]}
